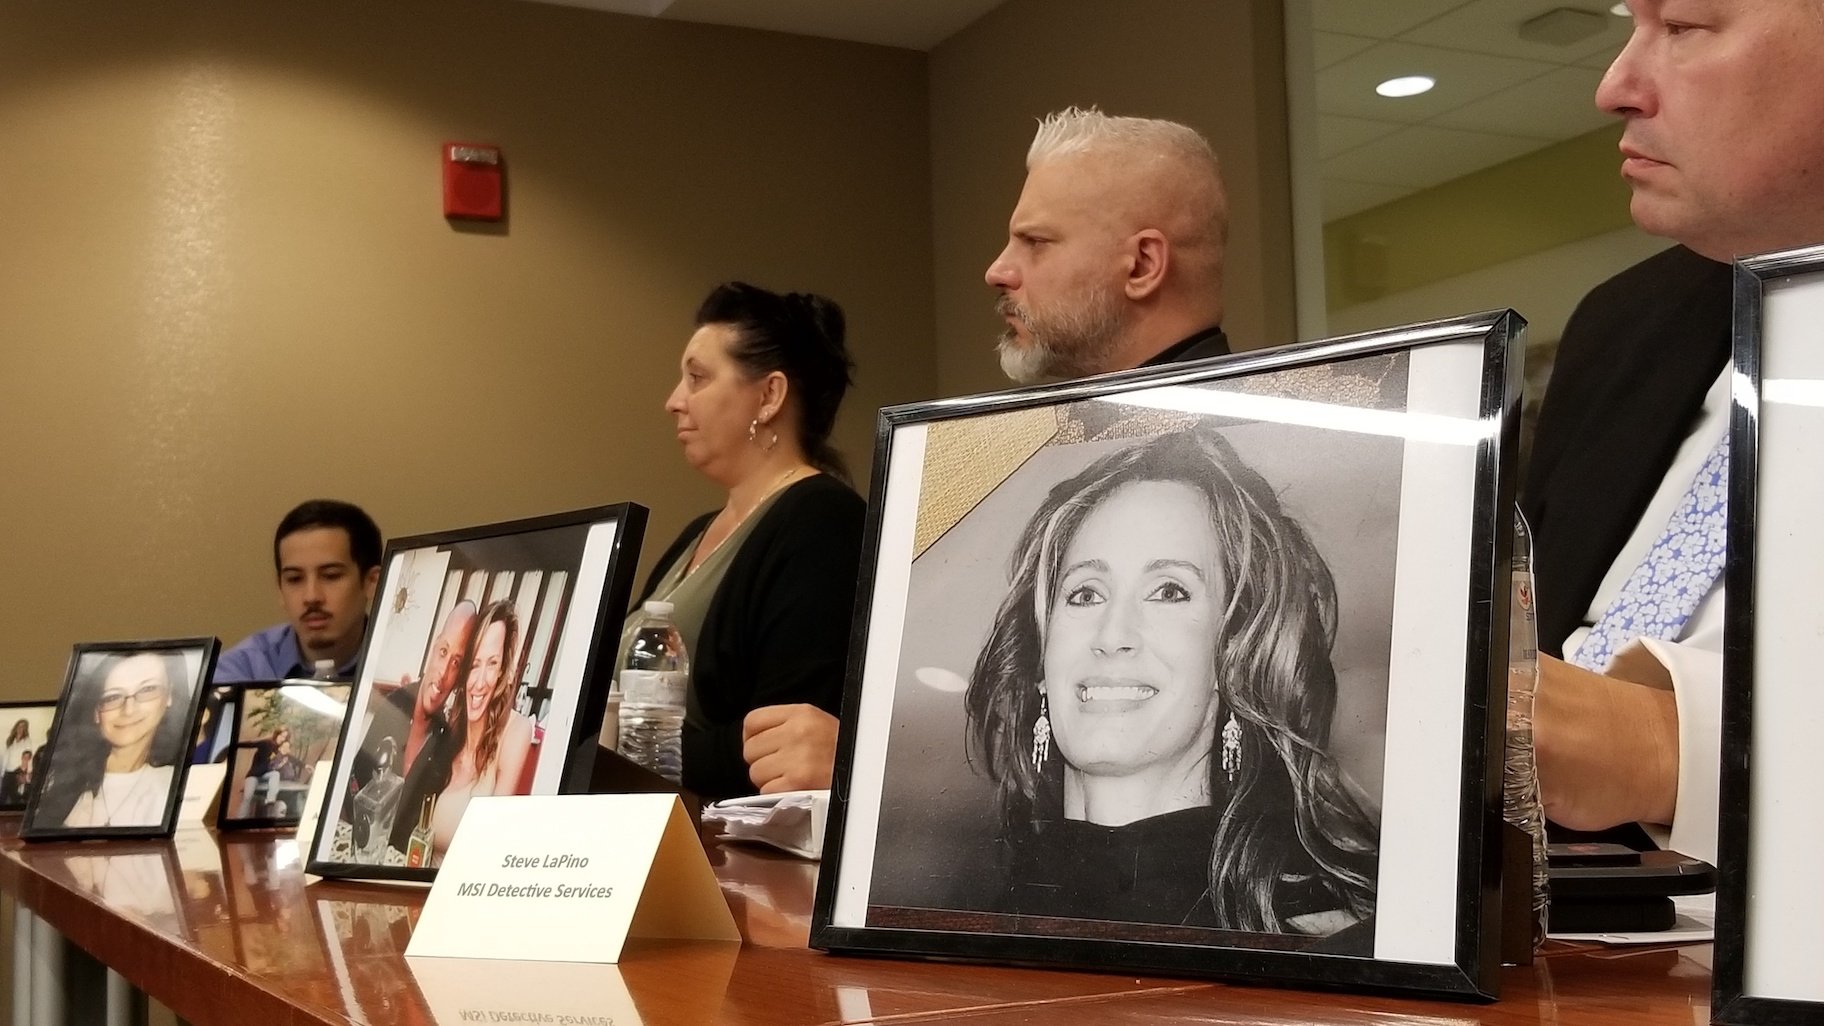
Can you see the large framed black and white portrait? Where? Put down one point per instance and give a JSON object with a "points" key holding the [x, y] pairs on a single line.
{"points": [[1189, 669], [1770, 895], [119, 746], [484, 671]]}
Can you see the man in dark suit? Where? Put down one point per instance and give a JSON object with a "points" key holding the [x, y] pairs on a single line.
{"points": [[1113, 261], [1724, 151]]}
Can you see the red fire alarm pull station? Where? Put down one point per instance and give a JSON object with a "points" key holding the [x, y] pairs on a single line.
{"points": [[472, 186]]}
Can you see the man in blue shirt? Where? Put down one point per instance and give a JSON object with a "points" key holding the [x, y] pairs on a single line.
{"points": [[327, 555]]}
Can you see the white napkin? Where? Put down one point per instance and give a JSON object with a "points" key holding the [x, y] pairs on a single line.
{"points": [[790, 820]]}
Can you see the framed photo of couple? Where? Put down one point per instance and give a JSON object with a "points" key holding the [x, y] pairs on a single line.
{"points": [[485, 671], [1193, 669], [1769, 930], [119, 745]]}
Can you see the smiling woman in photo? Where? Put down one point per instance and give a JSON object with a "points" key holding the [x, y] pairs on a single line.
{"points": [[123, 732], [495, 738], [1154, 701]]}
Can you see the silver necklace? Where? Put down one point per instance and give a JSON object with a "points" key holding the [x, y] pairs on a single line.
{"points": [[109, 808]]}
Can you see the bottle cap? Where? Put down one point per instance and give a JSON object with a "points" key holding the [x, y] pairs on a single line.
{"points": [[657, 607]]}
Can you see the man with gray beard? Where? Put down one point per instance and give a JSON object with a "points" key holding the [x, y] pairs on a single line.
{"points": [[1114, 252], [1113, 261]]}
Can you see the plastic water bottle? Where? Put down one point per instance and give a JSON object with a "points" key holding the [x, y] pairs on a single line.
{"points": [[654, 677], [1520, 802]]}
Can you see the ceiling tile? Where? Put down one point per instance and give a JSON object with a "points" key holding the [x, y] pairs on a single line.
{"points": [[1342, 198], [1382, 19], [1555, 106], [1493, 27], [1330, 47], [1423, 156], [1337, 135], [911, 24], [1347, 88]]}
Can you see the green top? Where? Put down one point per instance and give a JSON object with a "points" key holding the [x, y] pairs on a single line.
{"points": [[690, 595]]}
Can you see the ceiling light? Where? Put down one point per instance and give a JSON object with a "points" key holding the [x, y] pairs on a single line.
{"points": [[1406, 85], [1620, 11]]}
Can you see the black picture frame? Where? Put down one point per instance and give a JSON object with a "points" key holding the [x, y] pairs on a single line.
{"points": [[64, 790], [215, 723], [16, 772], [566, 577], [1769, 940], [899, 835], [311, 713]]}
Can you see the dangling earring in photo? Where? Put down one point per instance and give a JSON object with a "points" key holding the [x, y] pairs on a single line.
{"points": [[1041, 735], [1231, 748]]}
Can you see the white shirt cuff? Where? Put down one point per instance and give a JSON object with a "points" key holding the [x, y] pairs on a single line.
{"points": [[1697, 684]]}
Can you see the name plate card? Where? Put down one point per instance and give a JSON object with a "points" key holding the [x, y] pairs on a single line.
{"points": [[201, 786], [568, 878]]}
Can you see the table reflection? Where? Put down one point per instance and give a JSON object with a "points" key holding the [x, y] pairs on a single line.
{"points": [[141, 885], [273, 932], [364, 939], [770, 894], [461, 990]]}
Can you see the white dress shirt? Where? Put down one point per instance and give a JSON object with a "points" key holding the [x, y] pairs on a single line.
{"points": [[1694, 660]]}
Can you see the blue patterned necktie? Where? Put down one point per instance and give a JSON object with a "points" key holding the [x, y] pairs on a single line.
{"points": [[1678, 571]]}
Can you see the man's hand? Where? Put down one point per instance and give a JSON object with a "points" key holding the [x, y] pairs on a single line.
{"points": [[1607, 748], [789, 747]]}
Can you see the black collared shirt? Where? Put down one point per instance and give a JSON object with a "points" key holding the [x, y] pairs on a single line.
{"points": [[1206, 343]]}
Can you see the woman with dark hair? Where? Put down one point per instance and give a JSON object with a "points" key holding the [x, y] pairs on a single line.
{"points": [[1154, 700], [762, 589], [126, 726], [492, 739]]}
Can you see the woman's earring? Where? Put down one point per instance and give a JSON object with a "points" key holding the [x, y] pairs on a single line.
{"points": [[1041, 735], [753, 429], [772, 440], [1231, 748]]}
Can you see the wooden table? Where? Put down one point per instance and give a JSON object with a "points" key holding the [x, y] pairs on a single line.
{"points": [[229, 931]]}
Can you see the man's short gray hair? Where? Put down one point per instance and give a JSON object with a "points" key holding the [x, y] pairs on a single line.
{"points": [[1076, 130]]}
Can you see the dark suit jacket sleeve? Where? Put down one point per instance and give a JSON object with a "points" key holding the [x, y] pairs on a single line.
{"points": [[777, 631], [1635, 361]]}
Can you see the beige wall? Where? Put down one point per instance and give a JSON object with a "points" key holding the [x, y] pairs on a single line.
{"points": [[1216, 66], [1552, 197], [226, 284]]}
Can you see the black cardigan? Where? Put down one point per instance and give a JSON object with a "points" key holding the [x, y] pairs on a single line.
{"points": [[777, 629]]}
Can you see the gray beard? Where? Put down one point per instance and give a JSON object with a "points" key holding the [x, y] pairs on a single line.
{"points": [[1063, 345]]}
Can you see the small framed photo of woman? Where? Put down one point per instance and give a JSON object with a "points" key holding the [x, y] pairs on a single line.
{"points": [[121, 739], [1192, 669], [485, 671], [280, 732], [29, 732]]}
